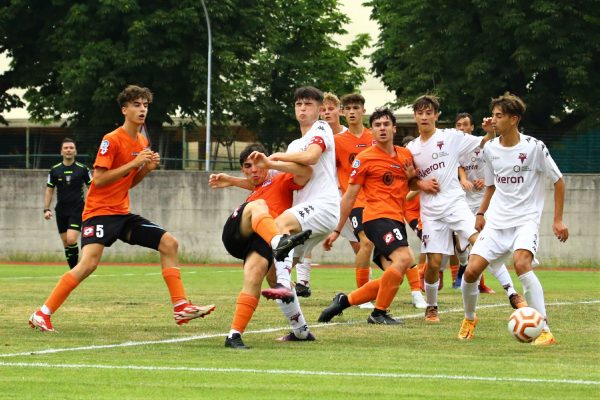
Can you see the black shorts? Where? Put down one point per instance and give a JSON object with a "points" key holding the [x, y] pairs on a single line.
{"points": [[387, 235], [356, 216], [68, 221], [239, 246], [414, 224], [129, 228]]}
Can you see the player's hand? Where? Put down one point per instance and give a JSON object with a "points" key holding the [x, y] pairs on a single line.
{"points": [[560, 231], [328, 242], [154, 162], [479, 184], [409, 170], [144, 156], [429, 186], [466, 185], [48, 214], [260, 160], [479, 223], [218, 181], [277, 156], [487, 126]]}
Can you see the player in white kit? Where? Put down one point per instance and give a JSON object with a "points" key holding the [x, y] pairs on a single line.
{"points": [[317, 205], [515, 167], [436, 153]]}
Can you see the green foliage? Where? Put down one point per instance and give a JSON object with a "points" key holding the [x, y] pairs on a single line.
{"points": [[73, 57], [468, 51]]}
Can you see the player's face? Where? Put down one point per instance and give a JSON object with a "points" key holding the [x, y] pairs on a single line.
{"points": [[465, 125], [383, 130], [254, 174], [426, 119], [136, 111], [330, 113], [503, 123], [307, 111], [68, 150], [354, 113]]}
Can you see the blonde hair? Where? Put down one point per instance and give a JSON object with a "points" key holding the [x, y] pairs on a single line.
{"points": [[331, 98]]}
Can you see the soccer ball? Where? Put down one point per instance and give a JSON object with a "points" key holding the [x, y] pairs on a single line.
{"points": [[525, 324]]}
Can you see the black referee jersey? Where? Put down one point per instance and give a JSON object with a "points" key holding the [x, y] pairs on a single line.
{"points": [[68, 180]]}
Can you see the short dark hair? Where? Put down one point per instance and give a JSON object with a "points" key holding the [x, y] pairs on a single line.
{"points": [[250, 149], [67, 140], [460, 116], [132, 92], [426, 101], [353, 98], [509, 104], [382, 112], [406, 140], [308, 92]]}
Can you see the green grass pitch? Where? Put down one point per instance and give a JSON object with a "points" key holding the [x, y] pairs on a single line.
{"points": [[117, 339]]}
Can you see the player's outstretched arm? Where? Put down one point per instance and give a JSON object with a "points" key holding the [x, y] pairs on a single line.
{"points": [[302, 173], [346, 206], [222, 180], [310, 156], [558, 227], [490, 132]]}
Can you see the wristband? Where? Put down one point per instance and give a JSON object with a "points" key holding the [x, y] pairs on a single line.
{"points": [[479, 214], [338, 232], [47, 209]]}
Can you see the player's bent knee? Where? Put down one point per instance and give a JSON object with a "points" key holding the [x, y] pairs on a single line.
{"points": [[168, 244]]}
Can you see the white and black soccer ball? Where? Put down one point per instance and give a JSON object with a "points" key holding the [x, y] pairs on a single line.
{"points": [[526, 324]]}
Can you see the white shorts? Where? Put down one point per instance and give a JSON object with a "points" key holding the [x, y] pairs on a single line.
{"points": [[321, 218], [495, 243], [437, 234], [348, 232]]}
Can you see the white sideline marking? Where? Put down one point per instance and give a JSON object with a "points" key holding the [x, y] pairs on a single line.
{"points": [[303, 372], [19, 278], [266, 330]]}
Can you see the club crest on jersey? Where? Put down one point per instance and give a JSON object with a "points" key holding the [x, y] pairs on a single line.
{"points": [[440, 144], [356, 163], [388, 178], [522, 157], [389, 238], [267, 183], [88, 231], [477, 151], [104, 147]]}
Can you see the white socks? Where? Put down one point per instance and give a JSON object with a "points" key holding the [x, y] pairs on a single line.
{"points": [[294, 316], [431, 292], [534, 293], [499, 270], [470, 294], [283, 270], [303, 271]]}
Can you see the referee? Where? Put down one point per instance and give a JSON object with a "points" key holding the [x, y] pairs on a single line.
{"points": [[68, 177]]}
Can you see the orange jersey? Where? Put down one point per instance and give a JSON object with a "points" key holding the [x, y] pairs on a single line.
{"points": [[347, 146], [412, 209], [383, 181], [117, 149], [277, 191]]}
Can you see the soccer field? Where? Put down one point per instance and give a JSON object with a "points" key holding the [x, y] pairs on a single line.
{"points": [[117, 339]]}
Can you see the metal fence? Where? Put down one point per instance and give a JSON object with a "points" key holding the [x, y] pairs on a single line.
{"points": [[574, 152]]}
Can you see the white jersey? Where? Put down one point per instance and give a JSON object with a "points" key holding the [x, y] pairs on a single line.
{"points": [[517, 172], [438, 158], [473, 166], [323, 185]]}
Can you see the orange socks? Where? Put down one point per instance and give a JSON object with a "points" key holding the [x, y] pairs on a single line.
{"points": [[412, 275], [172, 278], [362, 276], [390, 282], [246, 305], [454, 270], [366, 292], [61, 291], [264, 226]]}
